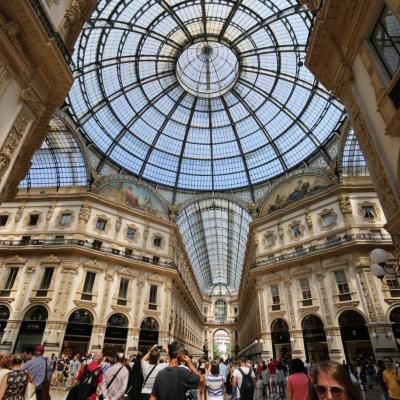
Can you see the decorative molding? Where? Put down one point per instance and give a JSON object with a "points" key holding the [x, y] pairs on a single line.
{"points": [[326, 211], [32, 100], [12, 142], [292, 225]]}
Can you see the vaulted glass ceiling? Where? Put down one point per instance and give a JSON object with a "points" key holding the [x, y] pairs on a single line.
{"points": [[215, 235], [58, 162], [205, 95]]}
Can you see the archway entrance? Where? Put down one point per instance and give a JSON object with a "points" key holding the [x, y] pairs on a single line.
{"points": [[31, 330], [116, 334], [280, 336], [355, 337], [78, 333], [4, 316], [395, 320], [221, 344], [314, 339], [148, 335]]}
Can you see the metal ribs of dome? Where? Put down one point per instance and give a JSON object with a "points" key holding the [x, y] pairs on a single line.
{"points": [[254, 114]]}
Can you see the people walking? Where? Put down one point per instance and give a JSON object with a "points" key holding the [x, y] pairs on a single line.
{"points": [[243, 381], [150, 368], [215, 383], [14, 384], [391, 378], [40, 369], [115, 380], [298, 383], [173, 382]]}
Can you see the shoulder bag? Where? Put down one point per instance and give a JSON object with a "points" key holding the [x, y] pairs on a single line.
{"points": [[101, 397]]}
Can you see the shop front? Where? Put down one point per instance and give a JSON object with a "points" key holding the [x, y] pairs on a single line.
{"points": [[31, 330], [355, 337], [116, 335], [280, 336], [78, 333], [314, 339], [148, 335], [4, 316]]}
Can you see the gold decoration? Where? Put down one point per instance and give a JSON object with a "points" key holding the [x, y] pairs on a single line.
{"points": [[12, 141]]}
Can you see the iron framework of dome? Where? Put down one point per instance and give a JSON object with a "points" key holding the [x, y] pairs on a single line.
{"points": [[202, 95]]}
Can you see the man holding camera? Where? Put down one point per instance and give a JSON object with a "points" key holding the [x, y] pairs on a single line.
{"points": [[173, 382]]}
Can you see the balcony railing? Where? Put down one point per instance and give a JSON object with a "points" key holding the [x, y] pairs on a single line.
{"points": [[340, 241], [85, 244], [220, 320], [48, 27]]}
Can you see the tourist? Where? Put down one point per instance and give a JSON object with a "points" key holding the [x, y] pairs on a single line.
{"points": [[332, 381], [115, 380], [223, 369], [150, 368], [272, 374], [136, 380], [243, 380], [391, 378], [265, 388], [173, 382], [58, 375], [105, 364], [379, 377], [14, 385], [88, 379], [228, 383], [74, 366], [298, 383], [281, 380], [40, 369], [215, 383], [5, 365]]}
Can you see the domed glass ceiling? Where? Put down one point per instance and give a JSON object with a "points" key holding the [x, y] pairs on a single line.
{"points": [[205, 95]]}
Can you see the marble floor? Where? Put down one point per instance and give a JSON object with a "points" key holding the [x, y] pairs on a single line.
{"points": [[375, 394]]}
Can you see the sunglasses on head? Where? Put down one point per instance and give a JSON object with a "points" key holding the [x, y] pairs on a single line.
{"points": [[336, 391]]}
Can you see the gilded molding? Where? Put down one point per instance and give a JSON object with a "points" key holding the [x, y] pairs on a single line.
{"points": [[32, 100], [12, 141]]}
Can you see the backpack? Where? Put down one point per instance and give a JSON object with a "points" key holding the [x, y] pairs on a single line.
{"points": [[247, 386], [86, 386]]}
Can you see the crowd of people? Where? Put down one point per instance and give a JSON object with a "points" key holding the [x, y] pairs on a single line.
{"points": [[168, 373]]}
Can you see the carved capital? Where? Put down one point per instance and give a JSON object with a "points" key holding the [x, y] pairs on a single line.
{"points": [[32, 100]]}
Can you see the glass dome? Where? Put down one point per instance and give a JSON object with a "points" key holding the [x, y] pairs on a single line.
{"points": [[202, 95]]}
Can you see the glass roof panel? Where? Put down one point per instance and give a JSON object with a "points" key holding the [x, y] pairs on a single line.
{"points": [[215, 234], [353, 161], [58, 162], [214, 94]]}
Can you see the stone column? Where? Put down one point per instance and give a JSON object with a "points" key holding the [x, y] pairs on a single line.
{"points": [[335, 344]]}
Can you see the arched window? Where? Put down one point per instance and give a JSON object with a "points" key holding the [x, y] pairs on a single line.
{"points": [[279, 325], [37, 313], [395, 319], [4, 316], [148, 335], [351, 318], [118, 320], [220, 310], [32, 329], [312, 322], [78, 332], [81, 316]]}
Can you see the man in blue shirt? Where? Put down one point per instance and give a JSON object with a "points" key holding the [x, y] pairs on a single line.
{"points": [[41, 370], [223, 369]]}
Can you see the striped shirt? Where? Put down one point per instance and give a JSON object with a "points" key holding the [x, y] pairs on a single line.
{"points": [[215, 386]]}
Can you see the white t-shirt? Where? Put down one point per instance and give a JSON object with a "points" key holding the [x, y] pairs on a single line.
{"points": [[239, 377], [146, 368]]}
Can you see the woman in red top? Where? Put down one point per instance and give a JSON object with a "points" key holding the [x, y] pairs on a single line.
{"points": [[298, 384]]}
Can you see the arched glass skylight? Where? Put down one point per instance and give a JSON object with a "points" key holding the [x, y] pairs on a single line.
{"points": [[353, 161], [204, 95], [214, 232], [58, 162]]}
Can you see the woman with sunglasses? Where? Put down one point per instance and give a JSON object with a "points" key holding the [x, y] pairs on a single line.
{"points": [[332, 382]]}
